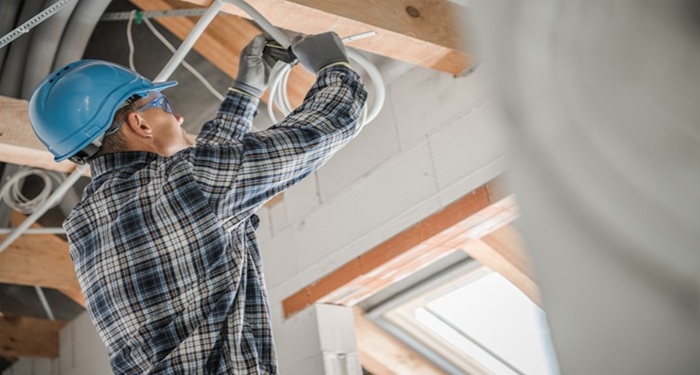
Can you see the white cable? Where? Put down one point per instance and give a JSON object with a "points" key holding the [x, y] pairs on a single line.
{"points": [[11, 191], [44, 302], [130, 40], [51, 201], [278, 84], [278, 87], [271, 30], [187, 66]]}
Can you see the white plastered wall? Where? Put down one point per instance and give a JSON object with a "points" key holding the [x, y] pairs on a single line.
{"points": [[437, 138]]}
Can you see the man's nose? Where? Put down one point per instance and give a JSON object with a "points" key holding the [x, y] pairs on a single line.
{"points": [[179, 119]]}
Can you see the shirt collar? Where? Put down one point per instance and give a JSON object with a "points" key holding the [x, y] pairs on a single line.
{"points": [[110, 162]]}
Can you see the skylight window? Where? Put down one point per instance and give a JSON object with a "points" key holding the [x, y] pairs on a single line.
{"points": [[476, 322]]}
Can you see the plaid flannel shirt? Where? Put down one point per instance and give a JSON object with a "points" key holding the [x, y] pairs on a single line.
{"points": [[164, 248]]}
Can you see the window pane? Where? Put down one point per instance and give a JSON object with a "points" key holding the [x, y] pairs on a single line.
{"points": [[499, 318]]}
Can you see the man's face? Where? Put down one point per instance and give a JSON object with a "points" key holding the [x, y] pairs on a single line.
{"points": [[168, 133]]}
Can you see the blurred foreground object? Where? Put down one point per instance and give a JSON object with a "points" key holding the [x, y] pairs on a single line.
{"points": [[605, 96]]}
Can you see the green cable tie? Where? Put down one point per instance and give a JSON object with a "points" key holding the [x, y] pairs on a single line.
{"points": [[138, 17]]}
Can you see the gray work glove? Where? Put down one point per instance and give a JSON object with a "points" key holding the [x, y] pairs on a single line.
{"points": [[316, 52], [254, 68]]}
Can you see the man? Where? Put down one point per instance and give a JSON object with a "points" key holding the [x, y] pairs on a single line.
{"points": [[163, 240]]}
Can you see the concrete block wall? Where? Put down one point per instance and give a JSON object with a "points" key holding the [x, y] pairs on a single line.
{"points": [[437, 138]]}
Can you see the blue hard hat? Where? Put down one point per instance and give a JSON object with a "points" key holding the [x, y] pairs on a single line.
{"points": [[75, 105]]}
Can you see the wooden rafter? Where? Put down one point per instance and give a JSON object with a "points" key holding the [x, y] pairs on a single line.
{"points": [[428, 33], [29, 337], [504, 261], [460, 226], [41, 260], [507, 256], [19, 144]]}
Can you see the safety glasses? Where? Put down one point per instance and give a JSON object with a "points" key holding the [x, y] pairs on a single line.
{"points": [[161, 102]]}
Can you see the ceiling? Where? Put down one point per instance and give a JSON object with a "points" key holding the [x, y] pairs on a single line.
{"points": [[410, 39]]}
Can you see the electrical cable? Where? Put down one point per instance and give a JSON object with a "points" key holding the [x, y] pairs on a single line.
{"points": [[185, 64], [11, 191], [130, 40], [280, 74], [169, 46], [278, 81]]}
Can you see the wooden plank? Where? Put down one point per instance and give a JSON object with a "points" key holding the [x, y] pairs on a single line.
{"points": [[433, 38], [473, 224], [19, 144], [508, 242], [223, 41], [399, 256], [434, 21], [41, 260], [506, 261], [382, 354], [29, 337]]}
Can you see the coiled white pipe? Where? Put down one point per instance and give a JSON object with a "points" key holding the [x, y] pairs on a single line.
{"points": [[11, 191], [49, 202], [279, 75]]}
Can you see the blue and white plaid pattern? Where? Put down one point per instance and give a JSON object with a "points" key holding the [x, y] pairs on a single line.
{"points": [[165, 250]]}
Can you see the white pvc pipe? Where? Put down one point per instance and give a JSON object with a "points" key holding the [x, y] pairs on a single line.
{"points": [[44, 302], [188, 43], [57, 230], [274, 32]]}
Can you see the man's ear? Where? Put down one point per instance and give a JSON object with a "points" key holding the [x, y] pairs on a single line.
{"points": [[139, 125]]}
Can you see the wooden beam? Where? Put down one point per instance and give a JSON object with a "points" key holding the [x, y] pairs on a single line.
{"points": [[19, 144], [475, 224], [428, 33], [41, 260], [399, 256], [223, 41], [503, 252], [382, 354], [29, 337]]}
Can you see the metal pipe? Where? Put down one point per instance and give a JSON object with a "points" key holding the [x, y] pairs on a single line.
{"points": [[50, 201]]}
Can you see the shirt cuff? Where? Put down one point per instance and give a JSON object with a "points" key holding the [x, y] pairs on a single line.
{"points": [[347, 65], [239, 91]]}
